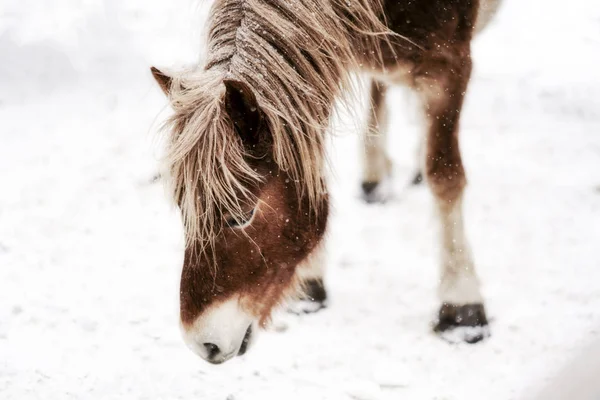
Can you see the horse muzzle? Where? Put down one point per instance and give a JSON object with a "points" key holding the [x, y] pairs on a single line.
{"points": [[221, 333]]}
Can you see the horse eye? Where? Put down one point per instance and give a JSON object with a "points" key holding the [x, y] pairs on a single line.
{"points": [[237, 223]]}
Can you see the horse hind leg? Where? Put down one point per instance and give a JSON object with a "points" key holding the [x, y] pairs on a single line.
{"points": [[442, 84], [418, 174], [376, 164]]}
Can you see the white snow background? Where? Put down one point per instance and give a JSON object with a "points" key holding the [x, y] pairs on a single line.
{"points": [[91, 251]]}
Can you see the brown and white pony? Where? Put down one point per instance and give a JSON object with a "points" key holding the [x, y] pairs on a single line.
{"points": [[246, 150]]}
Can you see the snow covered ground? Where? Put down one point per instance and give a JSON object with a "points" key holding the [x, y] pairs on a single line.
{"points": [[90, 251]]}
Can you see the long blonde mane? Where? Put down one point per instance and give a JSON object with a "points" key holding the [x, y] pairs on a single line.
{"points": [[297, 57]]}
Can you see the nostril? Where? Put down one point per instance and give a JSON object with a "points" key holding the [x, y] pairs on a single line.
{"points": [[212, 349]]}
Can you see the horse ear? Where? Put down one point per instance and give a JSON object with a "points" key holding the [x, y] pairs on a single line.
{"points": [[242, 107], [163, 80]]}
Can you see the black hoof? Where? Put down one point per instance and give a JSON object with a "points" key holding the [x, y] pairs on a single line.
{"points": [[313, 298], [156, 178], [418, 179], [369, 188], [373, 192], [466, 323], [314, 290]]}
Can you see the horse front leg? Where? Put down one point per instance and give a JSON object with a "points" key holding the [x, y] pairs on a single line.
{"points": [[312, 296], [442, 82]]}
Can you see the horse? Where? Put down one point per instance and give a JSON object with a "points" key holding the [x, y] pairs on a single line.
{"points": [[245, 154]]}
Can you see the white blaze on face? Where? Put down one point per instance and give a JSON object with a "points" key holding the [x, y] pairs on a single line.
{"points": [[218, 333]]}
